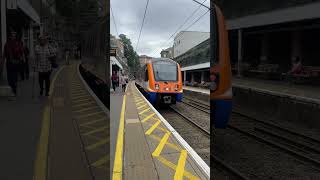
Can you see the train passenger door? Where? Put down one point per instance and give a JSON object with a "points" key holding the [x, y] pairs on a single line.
{"points": [[146, 77]]}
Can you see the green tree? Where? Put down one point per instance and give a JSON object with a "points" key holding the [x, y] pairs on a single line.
{"points": [[129, 53]]}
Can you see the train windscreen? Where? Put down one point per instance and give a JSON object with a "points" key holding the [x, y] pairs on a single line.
{"points": [[165, 71]]}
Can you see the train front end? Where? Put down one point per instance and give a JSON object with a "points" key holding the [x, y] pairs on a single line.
{"points": [[165, 82], [220, 72]]}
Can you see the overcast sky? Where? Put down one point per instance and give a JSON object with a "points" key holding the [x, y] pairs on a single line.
{"points": [[162, 20]]}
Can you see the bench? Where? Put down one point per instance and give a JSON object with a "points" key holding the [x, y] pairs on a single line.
{"points": [[266, 71], [309, 75]]}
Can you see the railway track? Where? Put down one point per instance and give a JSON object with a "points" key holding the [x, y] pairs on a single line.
{"points": [[221, 169], [197, 137], [297, 145], [288, 141], [197, 105]]}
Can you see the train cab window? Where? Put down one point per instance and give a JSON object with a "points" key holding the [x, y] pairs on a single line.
{"points": [[165, 71]]}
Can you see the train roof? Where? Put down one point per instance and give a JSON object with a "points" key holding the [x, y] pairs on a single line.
{"points": [[162, 59]]}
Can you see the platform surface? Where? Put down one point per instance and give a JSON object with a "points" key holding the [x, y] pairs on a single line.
{"points": [[279, 88], [197, 89], [150, 150], [79, 131]]}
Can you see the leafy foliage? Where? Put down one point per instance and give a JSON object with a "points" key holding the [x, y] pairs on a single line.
{"points": [[129, 53]]}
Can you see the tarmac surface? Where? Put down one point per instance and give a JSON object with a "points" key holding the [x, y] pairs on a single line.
{"points": [[20, 126]]}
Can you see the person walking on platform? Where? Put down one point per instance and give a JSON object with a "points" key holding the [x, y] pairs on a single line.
{"points": [[26, 63], [67, 56], [43, 64], [21, 65], [114, 79], [122, 81], [13, 55], [79, 50]]}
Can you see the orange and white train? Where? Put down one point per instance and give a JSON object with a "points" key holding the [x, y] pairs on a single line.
{"points": [[220, 71], [161, 81]]}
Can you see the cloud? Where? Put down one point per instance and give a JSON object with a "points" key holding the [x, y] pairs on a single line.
{"points": [[162, 19]]}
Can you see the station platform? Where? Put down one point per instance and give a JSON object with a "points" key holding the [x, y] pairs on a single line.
{"points": [[78, 126], [62, 136], [197, 89], [280, 88], [147, 147]]}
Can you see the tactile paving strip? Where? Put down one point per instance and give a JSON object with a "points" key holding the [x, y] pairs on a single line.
{"points": [[165, 149], [93, 126]]}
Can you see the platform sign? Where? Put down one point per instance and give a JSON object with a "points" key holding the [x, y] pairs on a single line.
{"points": [[12, 4]]}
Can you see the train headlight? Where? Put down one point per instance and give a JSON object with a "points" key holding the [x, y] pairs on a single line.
{"points": [[176, 87], [157, 87]]}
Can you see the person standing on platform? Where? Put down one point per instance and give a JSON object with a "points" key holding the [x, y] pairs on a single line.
{"points": [[114, 79], [67, 56], [79, 50], [43, 64], [26, 62], [13, 55], [122, 81]]}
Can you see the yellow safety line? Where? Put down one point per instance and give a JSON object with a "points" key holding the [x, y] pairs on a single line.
{"points": [[139, 102], [89, 127], [144, 111], [79, 100], [42, 150], [181, 164], [96, 138], [160, 128], [96, 130], [152, 128], [117, 165], [79, 97], [148, 117], [82, 104], [173, 166], [173, 146], [160, 146], [97, 144], [100, 162], [142, 106], [76, 88], [90, 114], [92, 122], [40, 165], [78, 93], [85, 109]]}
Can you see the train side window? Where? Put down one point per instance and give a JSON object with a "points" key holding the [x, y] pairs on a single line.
{"points": [[146, 75]]}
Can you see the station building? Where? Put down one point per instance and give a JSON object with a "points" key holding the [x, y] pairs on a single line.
{"points": [[191, 51], [167, 53], [143, 59], [116, 55], [23, 18], [267, 35]]}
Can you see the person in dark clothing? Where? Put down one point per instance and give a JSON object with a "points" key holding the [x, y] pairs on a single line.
{"points": [[79, 50], [26, 62], [43, 64], [115, 80], [13, 53]]}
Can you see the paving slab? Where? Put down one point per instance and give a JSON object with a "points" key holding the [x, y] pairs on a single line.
{"points": [[151, 151]]}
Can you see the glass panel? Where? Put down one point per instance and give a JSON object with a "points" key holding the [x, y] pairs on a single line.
{"points": [[165, 71]]}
